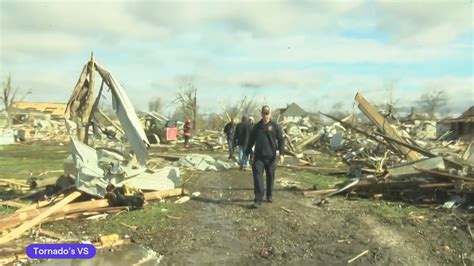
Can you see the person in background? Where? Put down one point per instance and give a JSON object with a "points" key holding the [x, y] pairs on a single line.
{"points": [[252, 124], [241, 138], [187, 132], [229, 132], [267, 137]]}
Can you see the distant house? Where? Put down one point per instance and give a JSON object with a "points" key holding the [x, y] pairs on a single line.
{"points": [[292, 113], [55, 110], [462, 126]]}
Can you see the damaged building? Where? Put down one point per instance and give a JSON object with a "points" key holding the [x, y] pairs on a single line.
{"points": [[461, 127]]}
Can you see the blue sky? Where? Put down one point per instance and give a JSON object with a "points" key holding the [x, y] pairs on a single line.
{"points": [[281, 51]]}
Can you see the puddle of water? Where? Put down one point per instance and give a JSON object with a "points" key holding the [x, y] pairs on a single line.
{"points": [[124, 255]]}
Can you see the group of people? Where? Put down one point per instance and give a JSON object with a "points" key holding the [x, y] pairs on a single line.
{"points": [[238, 136], [258, 144], [262, 140]]}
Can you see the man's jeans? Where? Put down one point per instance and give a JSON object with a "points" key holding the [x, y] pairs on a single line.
{"points": [[230, 143], [242, 158]]}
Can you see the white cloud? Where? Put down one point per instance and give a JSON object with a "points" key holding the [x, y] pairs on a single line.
{"points": [[239, 47], [425, 23]]}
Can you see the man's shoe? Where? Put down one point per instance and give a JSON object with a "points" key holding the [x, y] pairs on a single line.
{"points": [[270, 199], [255, 205]]}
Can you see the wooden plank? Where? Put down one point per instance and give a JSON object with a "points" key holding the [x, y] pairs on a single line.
{"points": [[163, 194], [40, 204], [438, 173], [358, 256], [15, 233], [49, 234], [13, 182], [17, 218], [384, 126]]}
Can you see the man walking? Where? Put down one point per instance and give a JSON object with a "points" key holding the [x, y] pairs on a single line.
{"points": [[229, 133], [267, 137], [241, 139]]}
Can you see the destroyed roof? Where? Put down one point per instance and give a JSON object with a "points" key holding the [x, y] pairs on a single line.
{"points": [[56, 109], [292, 110], [467, 116]]}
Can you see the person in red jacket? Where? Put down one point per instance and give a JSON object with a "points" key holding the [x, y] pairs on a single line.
{"points": [[187, 132]]}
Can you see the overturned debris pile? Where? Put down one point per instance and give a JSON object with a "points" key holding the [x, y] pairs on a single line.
{"points": [[97, 180], [387, 163]]}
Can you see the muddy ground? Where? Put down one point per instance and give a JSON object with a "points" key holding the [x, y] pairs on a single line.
{"points": [[218, 227]]}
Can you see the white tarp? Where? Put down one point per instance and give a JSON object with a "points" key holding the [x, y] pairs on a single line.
{"points": [[127, 116]]}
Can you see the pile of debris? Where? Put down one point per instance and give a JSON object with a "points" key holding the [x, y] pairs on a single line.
{"points": [[386, 162], [33, 127], [97, 180], [210, 140]]}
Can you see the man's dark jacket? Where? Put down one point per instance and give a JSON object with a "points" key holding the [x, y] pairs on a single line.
{"points": [[242, 133], [268, 138], [229, 130]]}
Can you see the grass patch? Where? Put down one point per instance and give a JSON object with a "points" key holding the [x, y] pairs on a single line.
{"points": [[17, 161], [148, 220], [6, 210], [394, 211], [319, 181]]}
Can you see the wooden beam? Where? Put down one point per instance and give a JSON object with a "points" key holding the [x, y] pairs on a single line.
{"points": [[17, 218], [17, 232], [49, 234], [13, 182], [73, 208], [40, 204], [384, 126], [163, 194], [438, 173]]}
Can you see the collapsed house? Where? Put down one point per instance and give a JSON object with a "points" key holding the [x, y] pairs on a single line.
{"points": [[116, 177], [96, 168], [462, 127], [55, 110]]}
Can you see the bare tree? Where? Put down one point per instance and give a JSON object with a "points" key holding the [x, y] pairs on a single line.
{"points": [[432, 101], [155, 104], [338, 110], [245, 106], [8, 98], [250, 107], [187, 98], [390, 87]]}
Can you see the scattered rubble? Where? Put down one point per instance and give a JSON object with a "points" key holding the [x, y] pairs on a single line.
{"points": [[386, 162], [204, 163], [97, 180]]}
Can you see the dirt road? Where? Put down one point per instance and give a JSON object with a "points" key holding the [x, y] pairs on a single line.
{"points": [[218, 228]]}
